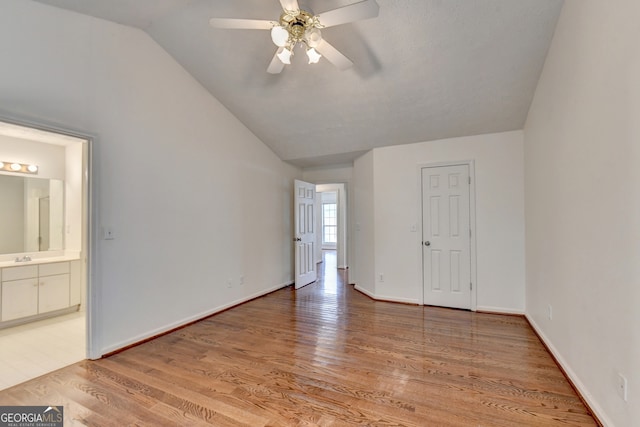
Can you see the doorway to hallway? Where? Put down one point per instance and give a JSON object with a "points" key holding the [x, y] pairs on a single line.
{"points": [[334, 233]]}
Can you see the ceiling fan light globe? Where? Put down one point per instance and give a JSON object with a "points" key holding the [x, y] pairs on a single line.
{"points": [[284, 55], [313, 56], [279, 36], [313, 37]]}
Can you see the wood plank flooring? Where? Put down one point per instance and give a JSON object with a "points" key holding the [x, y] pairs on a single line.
{"points": [[324, 355]]}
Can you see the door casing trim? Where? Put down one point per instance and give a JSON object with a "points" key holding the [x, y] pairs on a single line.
{"points": [[472, 226], [92, 289]]}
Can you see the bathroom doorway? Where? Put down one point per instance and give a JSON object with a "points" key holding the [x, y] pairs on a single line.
{"points": [[44, 171]]}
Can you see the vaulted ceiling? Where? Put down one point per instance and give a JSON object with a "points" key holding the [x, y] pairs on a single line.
{"points": [[423, 69]]}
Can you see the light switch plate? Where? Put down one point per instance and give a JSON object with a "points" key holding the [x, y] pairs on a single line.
{"points": [[107, 233]]}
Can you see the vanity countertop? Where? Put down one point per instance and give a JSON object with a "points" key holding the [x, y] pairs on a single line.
{"points": [[35, 261]]}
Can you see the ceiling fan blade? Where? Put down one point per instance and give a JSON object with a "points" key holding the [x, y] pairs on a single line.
{"points": [[354, 12], [276, 66], [241, 24], [290, 4], [333, 55]]}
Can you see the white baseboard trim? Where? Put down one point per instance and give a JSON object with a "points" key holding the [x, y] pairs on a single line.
{"points": [[386, 298], [364, 291], [579, 385], [499, 310], [174, 325]]}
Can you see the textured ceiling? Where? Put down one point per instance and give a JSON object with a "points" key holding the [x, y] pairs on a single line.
{"points": [[424, 69]]}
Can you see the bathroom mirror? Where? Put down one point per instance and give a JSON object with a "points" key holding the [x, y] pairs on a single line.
{"points": [[32, 214]]}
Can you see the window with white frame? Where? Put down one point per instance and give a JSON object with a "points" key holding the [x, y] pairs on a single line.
{"points": [[329, 223]]}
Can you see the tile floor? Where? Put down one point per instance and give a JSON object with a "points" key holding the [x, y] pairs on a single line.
{"points": [[30, 350]]}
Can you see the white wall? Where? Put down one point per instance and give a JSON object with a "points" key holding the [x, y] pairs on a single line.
{"points": [[499, 217], [582, 157], [329, 174], [362, 269], [193, 197]]}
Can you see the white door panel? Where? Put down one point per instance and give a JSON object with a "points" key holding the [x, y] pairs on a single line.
{"points": [[446, 236], [305, 237], [53, 293]]}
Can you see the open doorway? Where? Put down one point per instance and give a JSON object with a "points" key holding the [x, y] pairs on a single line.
{"points": [[43, 266], [331, 217]]}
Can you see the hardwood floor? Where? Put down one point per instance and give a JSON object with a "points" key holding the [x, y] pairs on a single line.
{"points": [[324, 355]]}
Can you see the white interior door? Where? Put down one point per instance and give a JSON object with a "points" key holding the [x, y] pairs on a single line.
{"points": [[305, 233], [446, 237]]}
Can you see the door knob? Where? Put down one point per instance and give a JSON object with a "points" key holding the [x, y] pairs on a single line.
{"points": [[427, 243]]}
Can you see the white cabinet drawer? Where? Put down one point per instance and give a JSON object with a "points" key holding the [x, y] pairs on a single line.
{"points": [[54, 268], [17, 273]]}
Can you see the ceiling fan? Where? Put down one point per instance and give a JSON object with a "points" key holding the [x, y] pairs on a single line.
{"points": [[301, 27]]}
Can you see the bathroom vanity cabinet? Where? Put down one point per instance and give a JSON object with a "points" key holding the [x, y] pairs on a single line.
{"points": [[35, 291]]}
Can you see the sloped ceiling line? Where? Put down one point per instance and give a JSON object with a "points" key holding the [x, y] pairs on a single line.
{"points": [[424, 69]]}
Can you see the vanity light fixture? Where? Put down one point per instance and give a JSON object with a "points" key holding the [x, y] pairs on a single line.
{"points": [[19, 168]]}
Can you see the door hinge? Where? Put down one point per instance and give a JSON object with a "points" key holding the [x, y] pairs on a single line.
{"points": [[469, 180], [469, 232], [470, 286]]}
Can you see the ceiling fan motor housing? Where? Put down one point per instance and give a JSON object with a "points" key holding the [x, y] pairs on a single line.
{"points": [[298, 24]]}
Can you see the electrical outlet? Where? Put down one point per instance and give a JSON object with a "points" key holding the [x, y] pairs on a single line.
{"points": [[622, 386], [241, 280], [229, 282], [550, 312]]}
